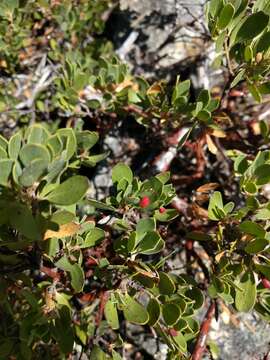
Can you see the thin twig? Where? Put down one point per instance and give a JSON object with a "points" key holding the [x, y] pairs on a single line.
{"points": [[201, 340], [227, 54]]}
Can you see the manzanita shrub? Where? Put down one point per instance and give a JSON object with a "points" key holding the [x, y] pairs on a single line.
{"points": [[41, 230], [75, 271]]}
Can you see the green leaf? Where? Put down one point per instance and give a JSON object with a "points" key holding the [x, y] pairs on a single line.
{"points": [[97, 354], [76, 273], [166, 284], [164, 177], [22, 219], [152, 243], [70, 191], [264, 128], [204, 115], [196, 295], [63, 330], [220, 41], [116, 356], [80, 81], [250, 188], [248, 55], [5, 170], [3, 154], [171, 313], [37, 134], [168, 215], [228, 208], [16, 172], [122, 171], [154, 311], [263, 174], [181, 89], [256, 246], [134, 311], [263, 269], [14, 146], [3, 143], [252, 27], [94, 159], [55, 169], [6, 346], [215, 203], [225, 16], [255, 92], [133, 96], [213, 105], [111, 315], [100, 205], [261, 5], [62, 217], [239, 77], [215, 7], [30, 152], [87, 139], [204, 97], [32, 172], [181, 342], [252, 228], [69, 140], [94, 237], [143, 226], [55, 144], [184, 138], [81, 334], [263, 214], [245, 299], [264, 43]]}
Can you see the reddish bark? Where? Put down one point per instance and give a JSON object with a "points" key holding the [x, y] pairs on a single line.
{"points": [[201, 340], [103, 299]]}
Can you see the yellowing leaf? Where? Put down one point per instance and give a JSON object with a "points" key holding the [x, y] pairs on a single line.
{"points": [[69, 229], [123, 85], [211, 146], [154, 89], [218, 133]]}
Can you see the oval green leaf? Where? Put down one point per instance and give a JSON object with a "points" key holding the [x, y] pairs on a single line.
{"points": [[246, 297], [252, 26], [70, 191]]}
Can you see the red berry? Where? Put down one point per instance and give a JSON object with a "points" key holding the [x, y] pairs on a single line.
{"points": [[144, 202], [266, 283], [162, 210]]}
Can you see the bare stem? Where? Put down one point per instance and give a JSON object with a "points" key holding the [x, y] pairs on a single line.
{"points": [[227, 53], [201, 340]]}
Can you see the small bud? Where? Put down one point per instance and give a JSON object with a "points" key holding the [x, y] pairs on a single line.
{"points": [[162, 210], [259, 57], [173, 332], [189, 245], [266, 283], [236, 93], [144, 202]]}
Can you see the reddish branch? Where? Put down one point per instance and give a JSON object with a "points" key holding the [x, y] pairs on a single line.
{"points": [[103, 299], [201, 340], [163, 161], [52, 273], [136, 110]]}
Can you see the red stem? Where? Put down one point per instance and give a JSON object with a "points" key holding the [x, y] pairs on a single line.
{"points": [[201, 340]]}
